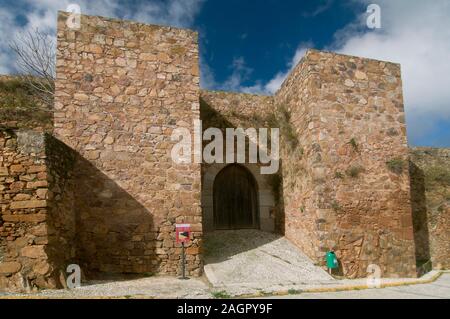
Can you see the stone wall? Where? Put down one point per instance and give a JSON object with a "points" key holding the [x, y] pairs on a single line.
{"points": [[430, 194], [346, 184], [121, 89], [32, 239], [61, 217]]}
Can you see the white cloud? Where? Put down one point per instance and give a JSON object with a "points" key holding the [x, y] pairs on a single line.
{"points": [[241, 73], [416, 35], [179, 13], [42, 15], [275, 83]]}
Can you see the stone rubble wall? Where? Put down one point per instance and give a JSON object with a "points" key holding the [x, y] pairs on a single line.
{"points": [[299, 155], [27, 221], [348, 189], [430, 192], [61, 218], [122, 88]]}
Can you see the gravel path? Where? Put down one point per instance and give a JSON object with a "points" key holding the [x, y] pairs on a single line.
{"points": [[152, 287]]}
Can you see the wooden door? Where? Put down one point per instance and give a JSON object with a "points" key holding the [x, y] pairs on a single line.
{"points": [[235, 199]]}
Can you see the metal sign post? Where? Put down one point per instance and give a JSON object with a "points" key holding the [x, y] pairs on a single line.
{"points": [[183, 233], [183, 262]]}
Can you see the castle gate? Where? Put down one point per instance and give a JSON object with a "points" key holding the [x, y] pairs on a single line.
{"points": [[235, 199]]}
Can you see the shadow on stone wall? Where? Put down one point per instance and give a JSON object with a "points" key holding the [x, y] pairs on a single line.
{"points": [[419, 214], [115, 233]]}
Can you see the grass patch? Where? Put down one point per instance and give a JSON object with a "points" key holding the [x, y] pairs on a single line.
{"points": [[354, 144], [396, 165], [282, 120], [294, 292], [438, 174], [338, 175], [221, 294], [354, 171], [335, 206], [19, 105]]}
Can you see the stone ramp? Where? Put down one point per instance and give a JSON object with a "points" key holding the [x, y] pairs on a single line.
{"points": [[249, 260]]}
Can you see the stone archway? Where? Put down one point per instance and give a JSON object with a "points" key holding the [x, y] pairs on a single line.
{"points": [[265, 198], [235, 199]]}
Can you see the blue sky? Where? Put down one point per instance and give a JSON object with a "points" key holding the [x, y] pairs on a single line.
{"points": [[266, 35], [250, 46]]}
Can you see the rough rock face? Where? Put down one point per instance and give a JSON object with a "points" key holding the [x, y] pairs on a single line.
{"points": [[346, 185], [121, 89], [35, 232], [430, 192]]}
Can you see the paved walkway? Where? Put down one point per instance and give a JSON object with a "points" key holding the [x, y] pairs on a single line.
{"points": [[439, 289], [248, 261]]}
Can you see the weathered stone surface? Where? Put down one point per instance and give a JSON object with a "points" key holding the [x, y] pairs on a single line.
{"points": [[34, 252], [25, 218], [356, 197], [125, 172], [430, 190], [8, 268], [28, 204]]}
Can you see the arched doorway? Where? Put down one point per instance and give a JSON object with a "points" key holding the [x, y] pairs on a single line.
{"points": [[235, 199]]}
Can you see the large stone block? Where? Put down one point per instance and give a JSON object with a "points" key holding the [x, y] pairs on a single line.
{"points": [[34, 252], [28, 204], [9, 268]]}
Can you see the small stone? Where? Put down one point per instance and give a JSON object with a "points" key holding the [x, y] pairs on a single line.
{"points": [[17, 169], [121, 62], [80, 97], [109, 140], [8, 268], [34, 252], [4, 171], [147, 57], [36, 169], [42, 193], [37, 184], [360, 75], [28, 204], [349, 83], [42, 268], [20, 197]]}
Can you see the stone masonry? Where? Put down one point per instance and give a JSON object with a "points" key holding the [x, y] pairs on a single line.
{"points": [[102, 191], [121, 89], [339, 191], [430, 193], [37, 220]]}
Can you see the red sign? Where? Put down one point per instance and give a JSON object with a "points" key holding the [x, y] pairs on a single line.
{"points": [[183, 232]]}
